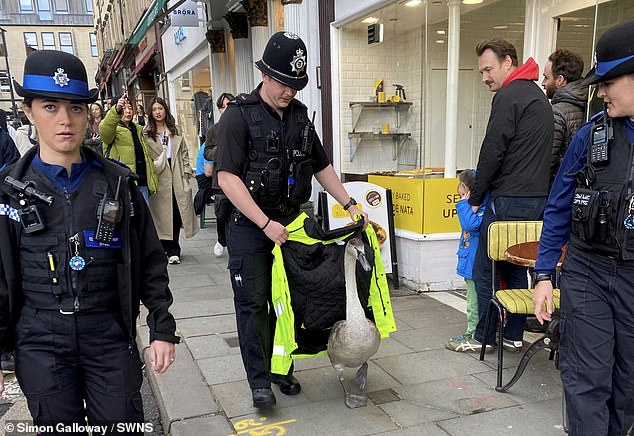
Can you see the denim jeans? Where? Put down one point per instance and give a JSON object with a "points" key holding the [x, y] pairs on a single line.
{"points": [[502, 209]]}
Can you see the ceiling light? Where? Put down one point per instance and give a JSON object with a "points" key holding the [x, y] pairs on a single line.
{"points": [[440, 41], [440, 32], [500, 27], [412, 3], [471, 2], [370, 20]]}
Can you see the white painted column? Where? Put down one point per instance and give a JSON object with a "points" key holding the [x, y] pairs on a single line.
{"points": [[259, 37], [244, 65], [453, 67], [303, 20]]}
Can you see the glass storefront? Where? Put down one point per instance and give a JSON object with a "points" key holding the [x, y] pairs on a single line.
{"points": [[191, 91], [404, 127]]}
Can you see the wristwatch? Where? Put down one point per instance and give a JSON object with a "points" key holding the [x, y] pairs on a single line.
{"points": [[543, 277], [350, 203]]}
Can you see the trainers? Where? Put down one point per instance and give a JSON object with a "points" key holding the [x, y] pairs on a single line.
{"points": [[512, 346], [174, 260], [218, 249], [462, 336], [467, 344]]}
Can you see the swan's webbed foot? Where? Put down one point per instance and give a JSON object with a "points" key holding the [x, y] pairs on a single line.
{"points": [[353, 401], [361, 377]]}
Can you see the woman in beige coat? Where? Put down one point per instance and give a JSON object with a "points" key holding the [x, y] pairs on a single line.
{"points": [[172, 206]]}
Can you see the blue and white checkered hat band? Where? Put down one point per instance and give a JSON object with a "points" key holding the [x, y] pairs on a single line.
{"points": [[5, 209]]}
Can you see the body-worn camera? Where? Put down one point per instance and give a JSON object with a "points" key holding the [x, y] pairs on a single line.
{"points": [[30, 217]]}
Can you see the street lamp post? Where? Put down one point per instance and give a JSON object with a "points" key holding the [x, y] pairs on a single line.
{"points": [[6, 58]]}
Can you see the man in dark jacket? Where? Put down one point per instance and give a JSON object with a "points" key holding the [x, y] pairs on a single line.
{"points": [[78, 254], [8, 151], [568, 96], [513, 166]]}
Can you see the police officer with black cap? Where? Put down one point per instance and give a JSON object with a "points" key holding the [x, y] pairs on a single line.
{"points": [[268, 153], [78, 254], [591, 206]]}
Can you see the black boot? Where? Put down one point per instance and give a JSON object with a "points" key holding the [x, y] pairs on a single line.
{"points": [[263, 397], [7, 361], [288, 383]]}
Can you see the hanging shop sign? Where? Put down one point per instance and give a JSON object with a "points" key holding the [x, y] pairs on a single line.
{"points": [[186, 15]]}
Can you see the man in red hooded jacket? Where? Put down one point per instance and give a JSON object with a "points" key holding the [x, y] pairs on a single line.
{"points": [[514, 166]]}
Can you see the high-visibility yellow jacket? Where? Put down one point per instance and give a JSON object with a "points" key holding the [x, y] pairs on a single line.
{"points": [[284, 343]]}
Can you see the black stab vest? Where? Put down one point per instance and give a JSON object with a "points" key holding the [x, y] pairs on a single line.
{"points": [[278, 175], [615, 183], [93, 288]]}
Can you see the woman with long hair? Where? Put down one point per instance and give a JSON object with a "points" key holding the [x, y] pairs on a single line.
{"points": [[92, 138], [172, 207]]}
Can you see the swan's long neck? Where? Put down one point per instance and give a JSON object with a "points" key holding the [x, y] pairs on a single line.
{"points": [[354, 311]]}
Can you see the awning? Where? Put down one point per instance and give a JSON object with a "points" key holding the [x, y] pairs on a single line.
{"points": [[144, 61], [147, 21], [119, 58]]}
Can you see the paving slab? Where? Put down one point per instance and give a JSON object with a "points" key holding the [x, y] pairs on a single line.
{"points": [[217, 425], [199, 293], [311, 363], [430, 337], [411, 302], [407, 413], [319, 419], [538, 418], [206, 325], [391, 347], [464, 395], [430, 429], [236, 398], [323, 383], [192, 309], [222, 369], [439, 315], [190, 280]]}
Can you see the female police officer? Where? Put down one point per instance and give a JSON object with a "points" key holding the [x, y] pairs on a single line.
{"points": [[592, 203], [77, 254], [267, 156]]}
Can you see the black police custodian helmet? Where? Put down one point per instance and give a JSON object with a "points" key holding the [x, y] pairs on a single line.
{"points": [[285, 59], [614, 54], [55, 74]]}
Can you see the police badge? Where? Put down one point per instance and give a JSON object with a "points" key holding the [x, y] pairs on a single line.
{"points": [[298, 64], [61, 78]]}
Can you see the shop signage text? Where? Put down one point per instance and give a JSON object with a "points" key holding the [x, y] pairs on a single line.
{"points": [[186, 15]]}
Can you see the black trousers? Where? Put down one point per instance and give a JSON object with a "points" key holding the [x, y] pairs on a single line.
{"points": [[172, 247], [250, 263], [597, 343], [63, 361]]}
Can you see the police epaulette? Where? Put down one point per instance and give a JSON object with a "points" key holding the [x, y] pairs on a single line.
{"points": [[243, 99]]}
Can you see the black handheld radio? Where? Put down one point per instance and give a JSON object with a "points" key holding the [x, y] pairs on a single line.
{"points": [[602, 133], [108, 215]]}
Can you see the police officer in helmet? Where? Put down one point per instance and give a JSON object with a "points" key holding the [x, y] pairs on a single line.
{"points": [[591, 206], [268, 154], [78, 254]]}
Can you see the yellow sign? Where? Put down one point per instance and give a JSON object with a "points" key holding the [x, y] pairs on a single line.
{"points": [[338, 212], [439, 209], [407, 200]]}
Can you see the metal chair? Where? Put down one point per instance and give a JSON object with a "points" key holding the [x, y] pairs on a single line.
{"points": [[501, 236]]}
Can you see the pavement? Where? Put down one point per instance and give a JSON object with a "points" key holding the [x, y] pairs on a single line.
{"points": [[415, 385]]}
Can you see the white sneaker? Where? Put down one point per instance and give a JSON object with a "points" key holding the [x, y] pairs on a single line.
{"points": [[219, 249], [174, 260]]}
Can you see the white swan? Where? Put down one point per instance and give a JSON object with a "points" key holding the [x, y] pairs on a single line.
{"points": [[354, 340]]}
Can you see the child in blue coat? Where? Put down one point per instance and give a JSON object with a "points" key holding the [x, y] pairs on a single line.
{"points": [[470, 224]]}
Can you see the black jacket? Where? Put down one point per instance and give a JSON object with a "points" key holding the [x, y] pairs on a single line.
{"points": [[8, 151], [515, 154], [569, 109], [142, 277]]}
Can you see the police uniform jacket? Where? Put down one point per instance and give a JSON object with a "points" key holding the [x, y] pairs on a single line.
{"points": [[615, 177], [142, 275]]}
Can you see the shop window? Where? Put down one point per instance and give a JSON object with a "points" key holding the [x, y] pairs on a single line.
{"points": [[5, 85], [30, 41], [66, 42], [26, 6], [48, 40], [44, 9], [93, 45]]}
